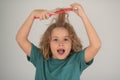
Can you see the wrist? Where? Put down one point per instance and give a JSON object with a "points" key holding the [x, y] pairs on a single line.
{"points": [[32, 15], [84, 16]]}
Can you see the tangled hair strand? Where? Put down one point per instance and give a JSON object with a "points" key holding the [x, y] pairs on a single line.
{"points": [[60, 21]]}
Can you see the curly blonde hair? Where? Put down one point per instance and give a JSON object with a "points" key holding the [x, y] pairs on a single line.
{"points": [[61, 21]]}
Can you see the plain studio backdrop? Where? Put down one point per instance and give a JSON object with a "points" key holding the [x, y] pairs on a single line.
{"points": [[104, 15]]}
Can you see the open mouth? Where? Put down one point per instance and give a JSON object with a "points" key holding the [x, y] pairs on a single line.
{"points": [[61, 51]]}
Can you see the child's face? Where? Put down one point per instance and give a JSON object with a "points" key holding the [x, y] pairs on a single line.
{"points": [[60, 43]]}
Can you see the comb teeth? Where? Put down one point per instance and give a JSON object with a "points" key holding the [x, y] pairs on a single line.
{"points": [[62, 11]]}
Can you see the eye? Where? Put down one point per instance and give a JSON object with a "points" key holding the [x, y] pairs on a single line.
{"points": [[66, 39], [55, 39]]}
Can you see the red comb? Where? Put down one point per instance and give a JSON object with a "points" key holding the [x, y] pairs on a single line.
{"points": [[59, 12], [63, 10]]}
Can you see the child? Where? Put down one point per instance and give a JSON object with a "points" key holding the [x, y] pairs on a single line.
{"points": [[60, 56]]}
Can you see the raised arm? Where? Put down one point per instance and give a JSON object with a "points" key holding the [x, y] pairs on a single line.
{"points": [[23, 33], [94, 41]]}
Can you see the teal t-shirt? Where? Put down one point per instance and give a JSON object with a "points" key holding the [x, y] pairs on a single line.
{"points": [[55, 69]]}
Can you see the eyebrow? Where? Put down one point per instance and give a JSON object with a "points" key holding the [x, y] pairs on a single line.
{"points": [[57, 36]]}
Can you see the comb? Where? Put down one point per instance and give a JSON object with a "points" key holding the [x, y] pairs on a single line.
{"points": [[65, 10]]}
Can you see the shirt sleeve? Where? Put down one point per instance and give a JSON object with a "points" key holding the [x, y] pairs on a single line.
{"points": [[83, 64], [35, 55]]}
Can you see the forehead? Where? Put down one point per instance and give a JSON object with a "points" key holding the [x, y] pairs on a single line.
{"points": [[59, 31]]}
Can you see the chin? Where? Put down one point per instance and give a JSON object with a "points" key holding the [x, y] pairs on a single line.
{"points": [[61, 58]]}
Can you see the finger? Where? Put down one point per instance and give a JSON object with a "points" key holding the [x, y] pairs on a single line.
{"points": [[75, 8], [46, 16], [51, 13], [43, 16]]}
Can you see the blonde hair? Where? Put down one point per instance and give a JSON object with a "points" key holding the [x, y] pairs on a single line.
{"points": [[61, 21]]}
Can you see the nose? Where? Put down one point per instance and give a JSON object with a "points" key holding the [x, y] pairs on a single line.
{"points": [[61, 43]]}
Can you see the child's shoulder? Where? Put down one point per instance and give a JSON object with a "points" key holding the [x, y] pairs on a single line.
{"points": [[77, 55]]}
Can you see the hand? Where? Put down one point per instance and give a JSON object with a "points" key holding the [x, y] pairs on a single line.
{"points": [[42, 14], [78, 9]]}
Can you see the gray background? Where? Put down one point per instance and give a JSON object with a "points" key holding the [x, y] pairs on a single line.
{"points": [[104, 15]]}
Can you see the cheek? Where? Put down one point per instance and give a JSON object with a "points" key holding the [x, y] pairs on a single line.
{"points": [[52, 46], [69, 46]]}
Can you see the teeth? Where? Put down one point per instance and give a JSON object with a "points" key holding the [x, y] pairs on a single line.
{"points": [[61, 51]]}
